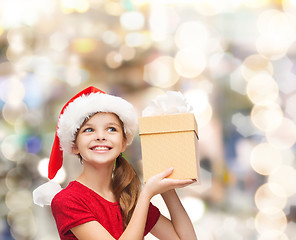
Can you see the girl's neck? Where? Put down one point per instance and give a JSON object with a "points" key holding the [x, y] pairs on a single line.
{"points": [[98, 181]]}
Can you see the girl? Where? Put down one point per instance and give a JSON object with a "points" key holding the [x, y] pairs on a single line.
{"points": [[106, 201]]}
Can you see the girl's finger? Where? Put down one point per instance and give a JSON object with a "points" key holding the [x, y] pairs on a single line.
{"points": [[165, 173], [177, 183]]}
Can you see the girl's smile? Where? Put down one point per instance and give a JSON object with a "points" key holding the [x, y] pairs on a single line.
{"points": [[101, 148]]}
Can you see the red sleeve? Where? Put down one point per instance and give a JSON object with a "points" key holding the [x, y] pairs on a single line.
{"points": [[69, 212], [152, 218]]}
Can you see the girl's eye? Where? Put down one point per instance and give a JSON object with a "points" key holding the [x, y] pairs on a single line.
{"points": [[88, 130], [112, 129]]}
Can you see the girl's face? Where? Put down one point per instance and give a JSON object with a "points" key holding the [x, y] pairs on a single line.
{"points": [[100, 139]]}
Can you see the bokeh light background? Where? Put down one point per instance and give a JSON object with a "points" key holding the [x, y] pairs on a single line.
{"points": [[235, 62]]}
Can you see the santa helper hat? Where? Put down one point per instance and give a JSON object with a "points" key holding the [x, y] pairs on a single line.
{"points": [[84, 104]]}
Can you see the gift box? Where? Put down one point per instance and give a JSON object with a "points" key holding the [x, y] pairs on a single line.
{"points": [[170, 141]]}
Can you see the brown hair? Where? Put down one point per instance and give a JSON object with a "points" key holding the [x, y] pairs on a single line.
{"points": [[126, 185], [126, 188]]}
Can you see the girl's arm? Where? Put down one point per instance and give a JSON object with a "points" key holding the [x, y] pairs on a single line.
{"points": [[180, 223], [135, 229]]}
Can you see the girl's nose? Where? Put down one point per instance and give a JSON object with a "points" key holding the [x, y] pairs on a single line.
{"points": [[101, 136], [101, 139]]}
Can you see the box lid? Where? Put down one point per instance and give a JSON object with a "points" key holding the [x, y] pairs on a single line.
{"points": [[168, 123]]}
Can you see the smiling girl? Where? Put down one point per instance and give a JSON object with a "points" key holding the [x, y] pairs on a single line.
{"points": [[107, 200]]}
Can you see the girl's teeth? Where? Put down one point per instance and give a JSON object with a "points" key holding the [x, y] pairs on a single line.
{"points": [[101, 148]]}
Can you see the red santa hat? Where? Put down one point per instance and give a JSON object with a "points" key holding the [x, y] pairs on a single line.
{"points": [[87, 102]]}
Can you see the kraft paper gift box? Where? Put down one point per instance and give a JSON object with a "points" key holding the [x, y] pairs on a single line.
{"points": [[170, 141]]}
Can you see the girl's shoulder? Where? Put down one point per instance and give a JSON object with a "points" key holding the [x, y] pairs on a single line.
{"points": [[67, 193]]}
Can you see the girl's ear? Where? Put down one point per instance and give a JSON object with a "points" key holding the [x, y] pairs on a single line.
{"points": [[75, 149]]}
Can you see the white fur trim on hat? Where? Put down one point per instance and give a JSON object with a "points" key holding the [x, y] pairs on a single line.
{"points": [[86, 105]]}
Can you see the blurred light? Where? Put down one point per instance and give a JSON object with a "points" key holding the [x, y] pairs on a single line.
{"points": [[17, 200], [267, 201], [111, 38], [140, 2], [194, 207], [18, 178], [127, 53], [285, 176], [270, 222], [69, 6], [192, 35], [284, 136], [202, 109], [132, 20], [290, 106], [255, 3], [288, 156], [14, 91], [237, 82], [227, 229], [84, 45], [59, 41], [255, 64], [113, 59], [1, 30], [267, 118], [43, 67], [163, 21], [24, 14], [190, 63], [4, 130], [43, 171], [113, 8], [243, 124], [205, 85], [265, 158], [11, 113], [273, 235], [43, 167], [166, 45], [209, 7], [16, 42], [285, 77], [213, 7], [273, 49], [22, 224], [22, 63], [10, 146], [36, 92], [276, 25], [277, 33], [136, 39], [262, 89], [73, 73], [290, 231], [222, 64], [33, 144], [158, 23], [289, 6], [161, 72]]}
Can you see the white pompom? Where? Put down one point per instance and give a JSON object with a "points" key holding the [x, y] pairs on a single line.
{"points": [[44, 194]]}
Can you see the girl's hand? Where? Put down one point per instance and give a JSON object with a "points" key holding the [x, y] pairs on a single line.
{"points": [[160, 183]]}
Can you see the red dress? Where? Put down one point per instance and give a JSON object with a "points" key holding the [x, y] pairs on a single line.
{"points": [[77, 204]]}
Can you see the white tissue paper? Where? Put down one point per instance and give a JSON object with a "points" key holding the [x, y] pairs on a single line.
{"points": [[170, 103], [44, 194]]}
